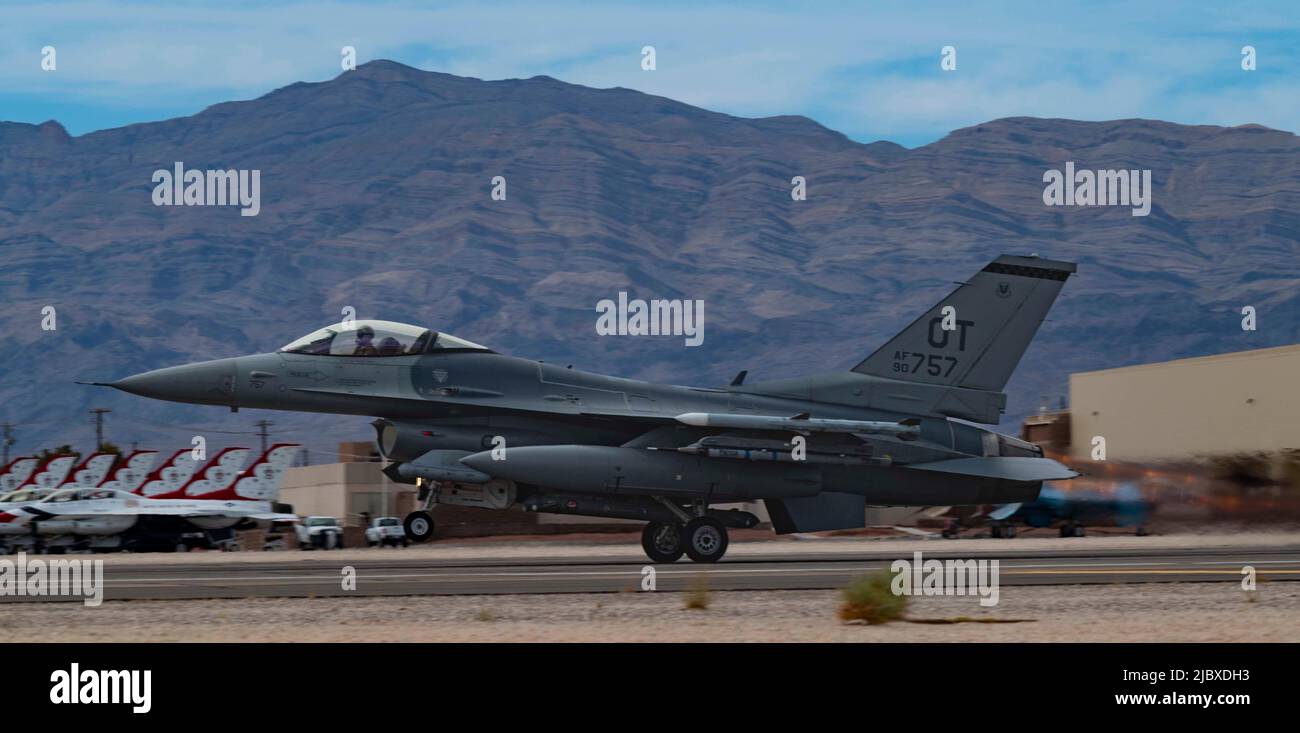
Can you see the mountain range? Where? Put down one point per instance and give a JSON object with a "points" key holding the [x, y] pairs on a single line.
{"points": [[376, 194]]}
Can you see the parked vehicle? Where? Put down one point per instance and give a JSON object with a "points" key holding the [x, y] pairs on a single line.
{"points": [[323, 533], [385, 531]]}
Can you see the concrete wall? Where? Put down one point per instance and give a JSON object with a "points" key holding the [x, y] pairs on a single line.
{"points": [[1244, 401]]}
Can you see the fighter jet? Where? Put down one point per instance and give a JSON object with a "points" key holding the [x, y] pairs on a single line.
{"points": [[474, 427], [111, 512], [1071, 511]]}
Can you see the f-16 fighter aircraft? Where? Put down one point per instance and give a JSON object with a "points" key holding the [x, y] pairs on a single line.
{"points": [[113, 511], [474, 427]]}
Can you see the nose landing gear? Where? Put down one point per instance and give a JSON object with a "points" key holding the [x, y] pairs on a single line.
{"points": [[419, 526]]}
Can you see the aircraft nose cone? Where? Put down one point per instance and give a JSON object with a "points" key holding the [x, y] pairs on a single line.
{"points": [[204, 383]]}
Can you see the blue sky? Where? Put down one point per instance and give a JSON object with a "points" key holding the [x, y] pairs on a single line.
{"points": [[870, 70]]}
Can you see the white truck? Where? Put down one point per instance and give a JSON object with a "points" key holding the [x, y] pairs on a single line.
{"points": [[385, 531], [319, 532]]}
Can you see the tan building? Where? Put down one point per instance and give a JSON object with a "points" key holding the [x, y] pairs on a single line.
{"points": [[345, 490], [1214, 405]]}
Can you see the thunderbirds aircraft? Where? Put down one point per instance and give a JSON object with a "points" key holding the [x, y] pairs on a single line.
{"points": [[474, 427], [134, 508]]}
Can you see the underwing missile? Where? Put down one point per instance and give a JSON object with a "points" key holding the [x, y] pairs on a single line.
{"points": [[906, 429]]}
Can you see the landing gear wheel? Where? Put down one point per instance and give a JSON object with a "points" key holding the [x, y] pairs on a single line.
{"points": [[662, 542], [419, 526], [706, 539]]}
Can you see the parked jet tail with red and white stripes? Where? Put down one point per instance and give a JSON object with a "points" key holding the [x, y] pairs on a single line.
{"points": [[131, 472], [17, 472], [92, 471], [171, 476], [51, 473]]}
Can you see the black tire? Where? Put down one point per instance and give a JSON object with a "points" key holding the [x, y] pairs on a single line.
{"points": [[1079, 531], [419, 526], [661, 543], [705, 539], [406, 542], [1067, 530], [995, 532], [1009, 532], [338, 541], [372, 543]]}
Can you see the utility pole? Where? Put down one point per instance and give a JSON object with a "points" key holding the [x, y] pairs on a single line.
{"points": [[99, 413], [8, 440], [263, 425]]}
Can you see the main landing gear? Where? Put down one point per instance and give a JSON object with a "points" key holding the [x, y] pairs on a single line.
{"points": [[703, 539]]}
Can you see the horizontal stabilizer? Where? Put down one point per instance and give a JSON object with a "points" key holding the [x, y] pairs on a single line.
{"points": [[1008, 468], [1004, 511], [274, 517]]}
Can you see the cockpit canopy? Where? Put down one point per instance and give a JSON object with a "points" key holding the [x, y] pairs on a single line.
{"points": [[63, 495], [376, 338]]}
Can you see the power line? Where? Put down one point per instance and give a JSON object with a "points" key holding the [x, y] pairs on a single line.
{"points": [[99, 413], [262, 431]]}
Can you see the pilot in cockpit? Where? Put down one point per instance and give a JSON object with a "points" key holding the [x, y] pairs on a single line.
{"points": [[365, 342], [390, 346]]}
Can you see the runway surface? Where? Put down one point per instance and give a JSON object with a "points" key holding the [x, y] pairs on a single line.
{"points": [[324, 574]]}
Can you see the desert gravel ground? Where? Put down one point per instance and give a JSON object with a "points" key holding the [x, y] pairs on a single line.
{"points": [[1181, 612]]}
